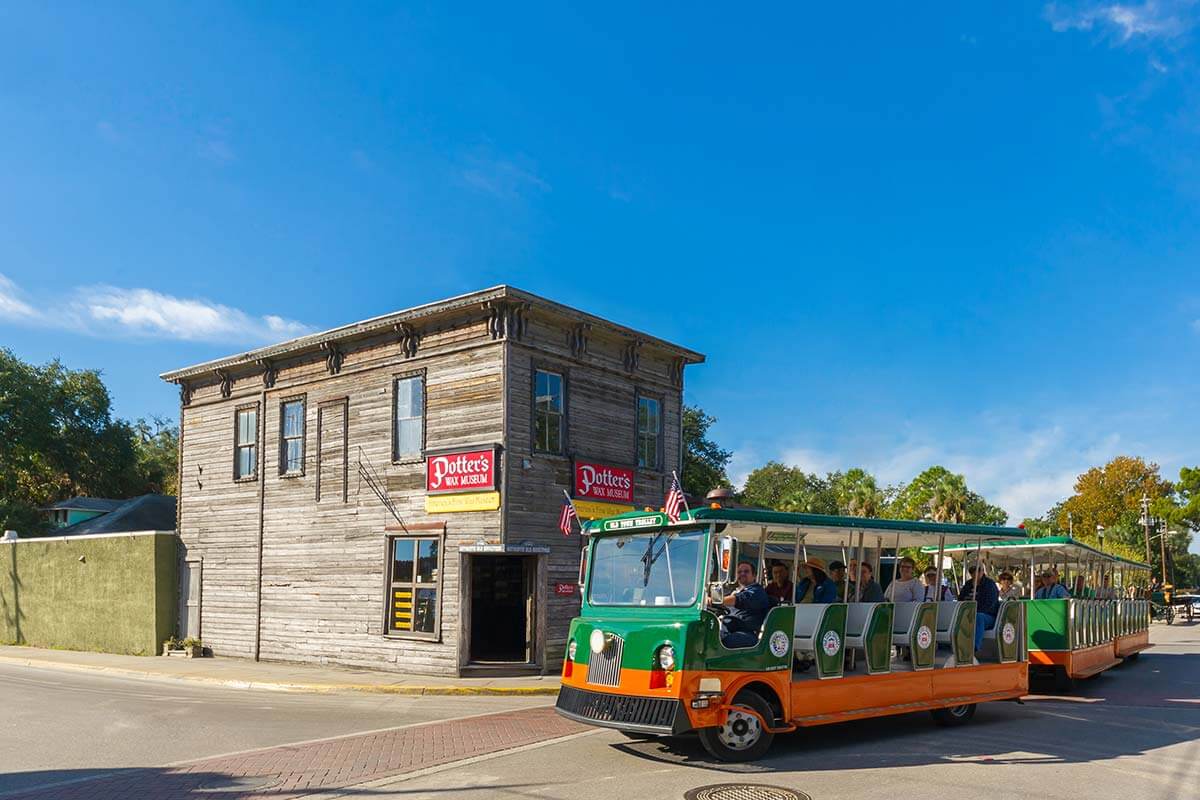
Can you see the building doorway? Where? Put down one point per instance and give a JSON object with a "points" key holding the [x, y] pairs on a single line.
{"points": [[502, 609]]}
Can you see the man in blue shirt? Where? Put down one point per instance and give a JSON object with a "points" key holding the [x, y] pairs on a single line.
{"points": [[987, 601], [747, 608], [1051, 589]]}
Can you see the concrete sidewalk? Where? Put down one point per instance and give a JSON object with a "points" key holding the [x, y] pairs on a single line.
{"points": [[245, 674]]}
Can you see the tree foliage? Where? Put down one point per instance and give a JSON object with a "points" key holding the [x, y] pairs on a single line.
{"points": [[58, 439], [704, 462]]}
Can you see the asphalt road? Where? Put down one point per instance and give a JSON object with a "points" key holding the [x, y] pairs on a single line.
{"points": [[58, 725], [1132, 733]]}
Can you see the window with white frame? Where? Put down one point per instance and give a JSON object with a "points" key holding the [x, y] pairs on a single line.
{"points": [[245, 459], [291, 437], [409, 415], [548, 404], [649, 433]]}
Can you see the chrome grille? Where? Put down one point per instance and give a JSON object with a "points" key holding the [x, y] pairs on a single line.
{"points": [[604, 669]]}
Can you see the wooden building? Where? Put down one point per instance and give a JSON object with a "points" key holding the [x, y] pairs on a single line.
{"points": [[387, 493]]}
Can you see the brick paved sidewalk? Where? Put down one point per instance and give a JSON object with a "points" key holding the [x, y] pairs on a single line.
{"points": [[293, 771]]}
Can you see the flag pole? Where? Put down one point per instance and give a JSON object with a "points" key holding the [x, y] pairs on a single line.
{"points": [[574, 511], [682, 494]]}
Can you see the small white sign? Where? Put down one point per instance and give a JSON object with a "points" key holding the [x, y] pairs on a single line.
{"points": [[779, 644], [1009, 632], [924, 637], [831, 643]]}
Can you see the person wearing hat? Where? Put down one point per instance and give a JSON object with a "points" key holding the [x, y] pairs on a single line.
{"points": [[815, 586], [837, 574], [1051, 589]]}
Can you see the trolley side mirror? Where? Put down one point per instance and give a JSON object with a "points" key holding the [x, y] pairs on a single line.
{"points": [[727, 554], [583, 551]]}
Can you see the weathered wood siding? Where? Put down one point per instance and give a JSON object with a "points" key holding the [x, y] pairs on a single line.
{"points": [[601, 426], [324, 560]]}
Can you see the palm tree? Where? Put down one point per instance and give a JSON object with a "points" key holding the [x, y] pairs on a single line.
{"points": [[949, 500]]}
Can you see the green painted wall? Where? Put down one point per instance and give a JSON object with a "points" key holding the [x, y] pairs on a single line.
{"points": [[121, 598]]}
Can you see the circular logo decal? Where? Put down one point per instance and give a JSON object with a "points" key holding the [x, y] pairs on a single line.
{"points": [[831, 643], [1009, 632], [924, 637], [779, 644]]}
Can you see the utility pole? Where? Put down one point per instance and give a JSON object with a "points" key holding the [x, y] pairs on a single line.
{"points": [[1146, 522], [1162, 541]]}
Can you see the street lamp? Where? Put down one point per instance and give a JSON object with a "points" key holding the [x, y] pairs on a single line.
{"points": [[1100, 536]]}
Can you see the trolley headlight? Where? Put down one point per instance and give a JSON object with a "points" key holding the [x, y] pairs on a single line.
{"points": [[597, 641], [666, 657], [571, 650]]}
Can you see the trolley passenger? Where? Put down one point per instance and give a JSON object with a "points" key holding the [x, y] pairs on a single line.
{"points": [[986, 597], [907, 587], [780, 589], [747, 608], [1007, 590], [870, 591], [930, 592], [815, 586], [1051, 589]]}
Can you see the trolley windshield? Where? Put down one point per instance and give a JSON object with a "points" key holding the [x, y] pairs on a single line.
{"points": [[659, 568]]}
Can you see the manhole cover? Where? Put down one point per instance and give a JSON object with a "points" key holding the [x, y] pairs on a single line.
{"points": [[230, 784], [744, 791]]}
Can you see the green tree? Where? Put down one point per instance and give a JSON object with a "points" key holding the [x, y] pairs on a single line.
{"points": [[704, 462], [156, 444], [770, 484], [1111, 496], [915, 499], [813, 495], [58, 438], [857, 493]]}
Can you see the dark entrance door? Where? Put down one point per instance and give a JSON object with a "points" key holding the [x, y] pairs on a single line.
{"points": [[501, 606]]}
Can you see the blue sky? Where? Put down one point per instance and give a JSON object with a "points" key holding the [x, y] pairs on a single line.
{"points": [[960, 235]]}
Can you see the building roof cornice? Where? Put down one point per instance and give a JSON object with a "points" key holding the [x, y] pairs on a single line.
{"points": [[315, 342]]}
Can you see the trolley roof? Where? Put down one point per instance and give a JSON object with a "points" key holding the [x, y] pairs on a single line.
{"points": [[1064, 548], [814, 529]]}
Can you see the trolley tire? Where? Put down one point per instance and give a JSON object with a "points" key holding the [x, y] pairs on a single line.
{"points": [[711, 737], [953, 716], [1170, 615]]}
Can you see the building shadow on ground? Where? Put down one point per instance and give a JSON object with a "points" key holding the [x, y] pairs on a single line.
{"points": [[173, 784]]}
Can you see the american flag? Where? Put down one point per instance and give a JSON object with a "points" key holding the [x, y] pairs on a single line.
{"points": [[675, 499], [566, 516]]}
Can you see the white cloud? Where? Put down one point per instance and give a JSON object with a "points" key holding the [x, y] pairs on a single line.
{"points": [[109, 311], [12, 307], [502, 177], [1164, 19], [150, 313]]}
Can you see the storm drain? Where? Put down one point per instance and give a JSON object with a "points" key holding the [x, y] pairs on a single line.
{"points": [[744, 791]]}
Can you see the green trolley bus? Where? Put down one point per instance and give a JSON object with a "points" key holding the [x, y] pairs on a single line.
{"points": [[1096, 626], [646, 657]]}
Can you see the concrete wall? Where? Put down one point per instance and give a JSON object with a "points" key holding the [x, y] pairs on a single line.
{"points": [[121, 598]]}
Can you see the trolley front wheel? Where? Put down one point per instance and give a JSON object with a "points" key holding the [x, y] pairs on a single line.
{"points": [[742, 737]]}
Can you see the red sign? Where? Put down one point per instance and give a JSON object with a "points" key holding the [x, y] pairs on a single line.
{"points": [[602, 482], [564, 588], [473, 471]]}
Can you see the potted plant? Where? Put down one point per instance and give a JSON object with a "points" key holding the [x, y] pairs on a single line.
{"points": [[191, 647]]}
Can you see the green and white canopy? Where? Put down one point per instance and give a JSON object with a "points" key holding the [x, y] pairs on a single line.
{"points": [[781, 527], [1042, 550]]}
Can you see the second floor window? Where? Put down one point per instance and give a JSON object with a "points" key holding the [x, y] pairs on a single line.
{"points": [[649, 432], [548, 404], [291, 440], [410, 418], [245, 461]]}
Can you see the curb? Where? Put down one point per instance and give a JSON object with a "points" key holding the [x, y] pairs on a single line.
{"points": [[313, 688]]}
